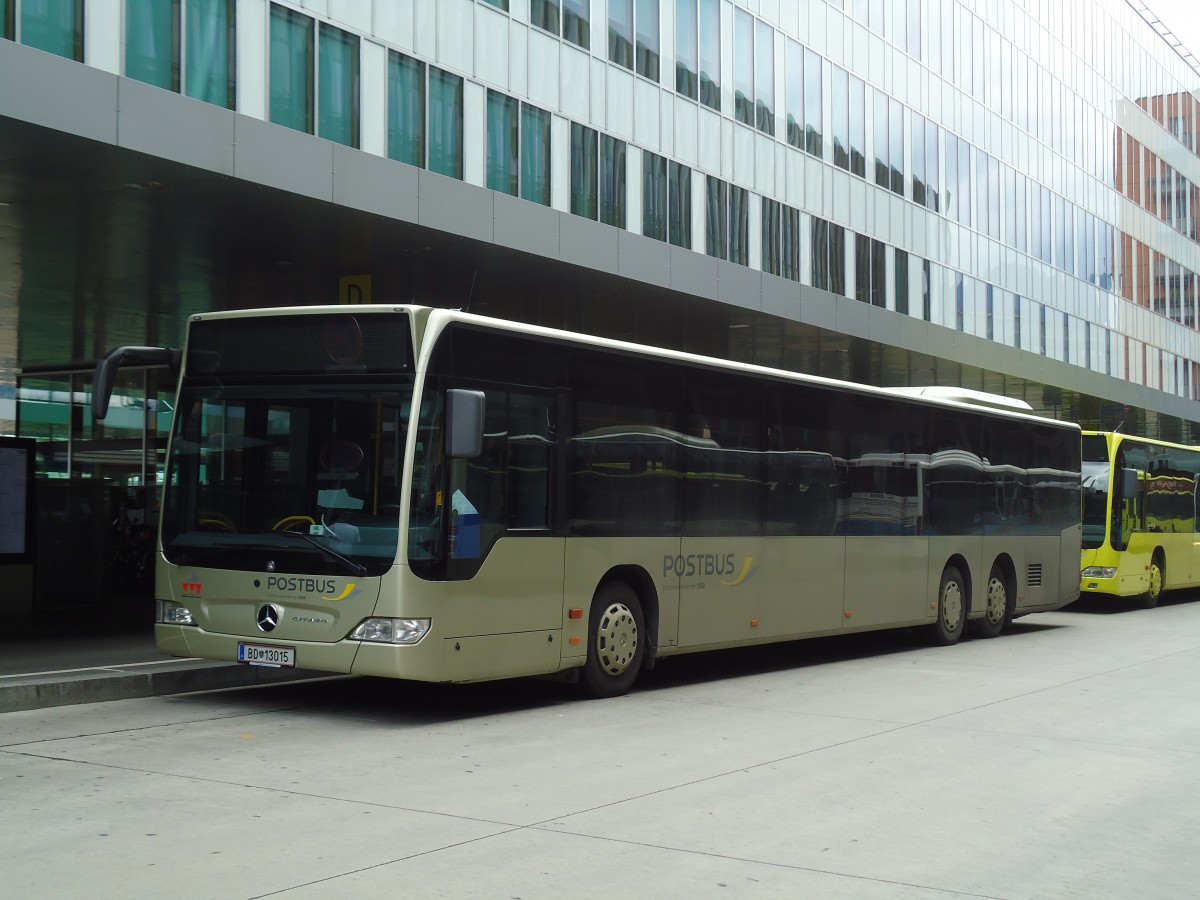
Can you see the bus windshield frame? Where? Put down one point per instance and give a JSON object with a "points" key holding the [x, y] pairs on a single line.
{"points": [[269, 468]]}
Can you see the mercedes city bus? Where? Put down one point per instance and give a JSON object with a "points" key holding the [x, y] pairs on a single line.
{"points": [[1140, 534], [432, 495]]}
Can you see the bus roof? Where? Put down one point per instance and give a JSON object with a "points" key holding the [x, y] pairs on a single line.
{"points": [[435, 319]]}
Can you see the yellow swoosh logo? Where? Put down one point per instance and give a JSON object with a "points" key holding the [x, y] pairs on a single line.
{"points": [[343, 595], [745, 571]]}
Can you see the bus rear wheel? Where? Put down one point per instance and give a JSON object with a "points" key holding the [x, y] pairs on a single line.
{"points": [[615, 641], [995, 606], [1154, 592], [951, 608]]}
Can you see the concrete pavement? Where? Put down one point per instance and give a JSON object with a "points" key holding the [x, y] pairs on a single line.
{"points": [[1061, 760]]}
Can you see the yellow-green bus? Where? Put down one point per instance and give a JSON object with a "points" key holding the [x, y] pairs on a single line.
{"points": [[1140, 534], [432, 495]]}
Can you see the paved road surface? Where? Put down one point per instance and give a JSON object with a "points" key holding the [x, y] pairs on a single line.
{"points": [[1062, 760]]}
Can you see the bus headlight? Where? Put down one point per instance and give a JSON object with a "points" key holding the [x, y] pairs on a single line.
{"points": [[1099, 572], [168, 612], [391, 631]]}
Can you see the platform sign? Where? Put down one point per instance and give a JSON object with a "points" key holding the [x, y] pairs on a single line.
{"points": [[354, 289]]}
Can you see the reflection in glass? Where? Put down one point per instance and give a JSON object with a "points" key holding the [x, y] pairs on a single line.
{"points": [[406, 110], [445, 123], [686, 59], [933, 181], [743, 67], [862, 268], [837, 259], [291, 98], [793, 93], [654, 196], [882, 178], [502, 143], [789, 241], [959, 303], [620, 32], [612, 181], [535, 154], [820, 254], [680, 226], [709, 27], [739, 225], [982, 197], [210, 46], [770, 260], [544, 14], [337, 105], [878, 273], [764, 77], [858, 127], [152, 42], [990, 327], [56, 27], [993, 185], [716, 222], [647, 38], [839, 117], [896, 149], [965, 207], [812, 104], [926, 291], [918, 158], [584, 166], [577, 22]]}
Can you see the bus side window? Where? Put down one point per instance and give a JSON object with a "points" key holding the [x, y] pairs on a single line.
{"points": [[531, 435]]}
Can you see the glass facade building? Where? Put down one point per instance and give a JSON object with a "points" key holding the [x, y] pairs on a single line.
{"points": [[895, 191]]}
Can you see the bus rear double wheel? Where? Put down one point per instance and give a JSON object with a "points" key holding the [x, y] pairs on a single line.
{"points": [[616, 641]]}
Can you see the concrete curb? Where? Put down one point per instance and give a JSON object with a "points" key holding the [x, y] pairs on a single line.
{"points": [[113, 683]]}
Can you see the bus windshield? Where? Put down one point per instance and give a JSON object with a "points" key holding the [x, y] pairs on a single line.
{"points": [[1095, 503], [1096, 478], [274, 469]]}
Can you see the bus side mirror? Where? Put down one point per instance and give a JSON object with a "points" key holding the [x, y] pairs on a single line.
{"points": [[105, 377], [1129, 484], [464, 423]]}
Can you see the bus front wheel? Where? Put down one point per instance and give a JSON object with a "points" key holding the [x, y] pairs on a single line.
{"points": [[951, 608], [616, 645], [995, 606], [1154, 592]]}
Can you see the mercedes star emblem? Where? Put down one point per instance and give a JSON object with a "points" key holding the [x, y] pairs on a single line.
{"points": [[268, 618]]}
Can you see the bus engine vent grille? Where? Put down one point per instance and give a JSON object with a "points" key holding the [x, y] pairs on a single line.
{"points": [[1033, 578]]}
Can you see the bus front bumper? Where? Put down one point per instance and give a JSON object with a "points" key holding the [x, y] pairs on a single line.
{"points": [[193, 641], [1107, 581]]}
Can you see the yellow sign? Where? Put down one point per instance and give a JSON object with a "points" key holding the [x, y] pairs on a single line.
{"points": [[354, 289]]}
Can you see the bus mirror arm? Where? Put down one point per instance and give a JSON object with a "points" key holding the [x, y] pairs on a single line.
{"points": [[105, 377]]}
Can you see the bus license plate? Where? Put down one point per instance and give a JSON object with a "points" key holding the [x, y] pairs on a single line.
{"points": [[260, 655]]}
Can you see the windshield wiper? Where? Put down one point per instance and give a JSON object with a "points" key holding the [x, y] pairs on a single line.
{"points": [[357, 568]]}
